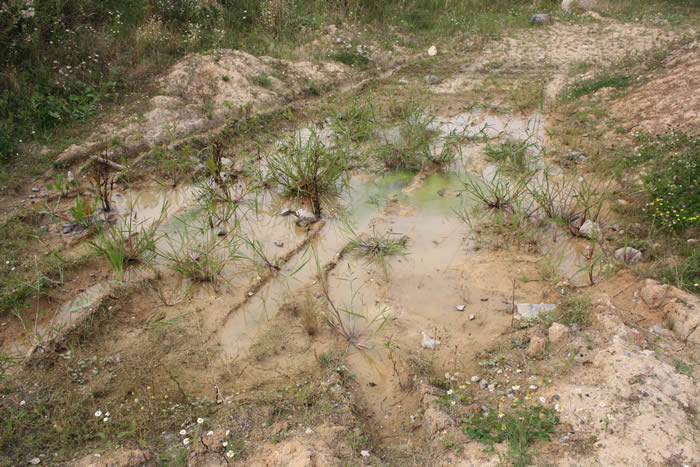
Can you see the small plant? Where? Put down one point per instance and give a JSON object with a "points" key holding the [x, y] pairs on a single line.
{"points": [[512, 156], [263, 80], [497, 192], [573, 310], [356, 123], [199, 262], [587, 86], [127, 242], [103, 183], [554, 198], [376, 247], [6, 362], [308, 170], [519, 427], [416, 137], [684, 369], [83, 213], [350, 58]]}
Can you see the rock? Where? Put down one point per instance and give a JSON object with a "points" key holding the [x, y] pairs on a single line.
{"points": [[459, 307], [364, 453], [226, 163], [70, 177], [541, 18], [432, 80], [684, 313], [628, 255], [221, 233], [622, 202], [434, 421], [577, 157], [532, 310], [287, 211], [571, 5], [554, 171], [428, 342], [125, 458], [557, 333], [305, 221], [35, 461], [475, 379], [537, 346], [403, 81], [656, 329], [472, 317], [279, 244], [432, 51], [653, 293], [35, 189], [589, 229]]}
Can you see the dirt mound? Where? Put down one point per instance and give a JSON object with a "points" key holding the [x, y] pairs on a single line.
{"points": [[671, 100], [199, 92]]}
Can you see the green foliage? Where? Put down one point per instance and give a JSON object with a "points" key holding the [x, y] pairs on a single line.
{"points": [[673, 181], [520, 427], [512, 155], [414, 145], [262, 80], [308, 170], [573, 310], [684, 369], [587, 86], [685, 275], [350, 58], [357, 122], [82, 212], [375, 248]]}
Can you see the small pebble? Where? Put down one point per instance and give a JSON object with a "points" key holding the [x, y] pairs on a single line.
{"points": [[471, 317], [460, 307]]}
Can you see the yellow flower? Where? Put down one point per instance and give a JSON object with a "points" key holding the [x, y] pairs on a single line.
{"points": [[503, 427], [541, 415]]}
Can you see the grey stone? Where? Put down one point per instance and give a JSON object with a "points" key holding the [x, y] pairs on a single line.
{"points": [[226, 163], [432, 80], [532, 310], [287, 211], [628, 255], [428, 342], [460, 307], [70, 177], [589, 229], [656, 329], [541, 18], [537, 346], [472, 317], [35, 189], [554, 171], [279, 244]]}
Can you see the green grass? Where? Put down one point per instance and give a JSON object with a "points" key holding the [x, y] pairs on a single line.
{"points": [[308, 170], [262, 80], [583, 87], [375, 248], [350, 58], [520, 426], [513, 156]]}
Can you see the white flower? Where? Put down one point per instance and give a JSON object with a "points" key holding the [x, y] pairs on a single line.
{"points": [[602, 404], [452, 402], [542, 400], [610, 417], [106, 419], [516, 387], [532, 386], [200, 420], [224, 444], [450, 392], [98, 413], [500, 414], [230, 453], [186, 441], [228, 432], [106, 414], [558, 408], [210, 432], [183, 432], [22, 402]]}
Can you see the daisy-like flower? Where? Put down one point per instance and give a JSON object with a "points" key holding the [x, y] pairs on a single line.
{"points": [[516, 400], [453, 402], [462, 386], [447, 376], [500, 404], [532, 386], [105, 420], [610, 417], [450, 392], [492, 387], [528, 397], [602, 403], [503, 427], [200, 420], [542, 400], [106, 414], [183, 432], [210, 432], [186, 441], [224, 444], [500, 414], [541, 415], [516, 387], [98, 413], [230, 453], [558, 408]]}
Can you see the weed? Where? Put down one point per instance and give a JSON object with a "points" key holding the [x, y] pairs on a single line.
{"points": [[104, 184], [350, 58], [416, 136], [308, 170], [684, 369], [512, 155], [497, 192], [83, 213], [358, 122], [587, 86], [375, 248], [128, 242], [519, 427], [263, 80]]}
